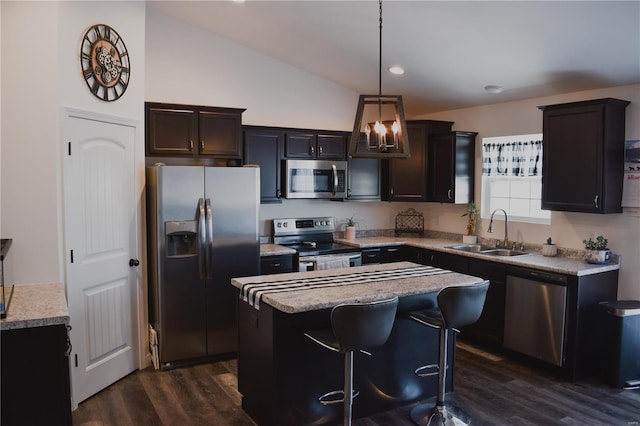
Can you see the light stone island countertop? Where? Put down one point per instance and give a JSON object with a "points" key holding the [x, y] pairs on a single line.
{"points": [[310, 298], [275, 250], [563, 265], [35, 305]]}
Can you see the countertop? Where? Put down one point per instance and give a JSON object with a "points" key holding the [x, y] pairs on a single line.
{"points": [[275, 250], [36, 305], [310, 298], [564, 265]]}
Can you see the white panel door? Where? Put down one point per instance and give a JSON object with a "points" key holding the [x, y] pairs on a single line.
{"points": [[100, 226]]}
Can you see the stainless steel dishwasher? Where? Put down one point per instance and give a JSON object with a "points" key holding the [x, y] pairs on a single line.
{"points": [[535, 310]]}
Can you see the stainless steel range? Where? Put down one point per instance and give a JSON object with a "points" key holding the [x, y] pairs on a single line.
{"points": [[312, 238]]}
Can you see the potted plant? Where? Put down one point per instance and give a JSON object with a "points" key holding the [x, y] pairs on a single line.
{"points": [[597, 250], [350, 230], [549, 249], [472, 221]]}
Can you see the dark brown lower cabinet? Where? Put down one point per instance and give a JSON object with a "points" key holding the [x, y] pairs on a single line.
{"points": [[278, 264], [382, 255], [35, 376], [489, 329]]}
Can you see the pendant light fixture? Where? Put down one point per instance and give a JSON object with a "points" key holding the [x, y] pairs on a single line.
{"points": [[380, 129]]}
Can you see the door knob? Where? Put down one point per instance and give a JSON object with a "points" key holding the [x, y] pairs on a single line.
{"points": [[134, 262]]}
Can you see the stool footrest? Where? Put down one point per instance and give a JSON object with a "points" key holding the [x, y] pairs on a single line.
{"points": [[444, 415], [427, 370], [328, 398]]}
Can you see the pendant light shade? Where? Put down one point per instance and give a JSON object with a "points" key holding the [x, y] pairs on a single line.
{"points": [[380, 129]]}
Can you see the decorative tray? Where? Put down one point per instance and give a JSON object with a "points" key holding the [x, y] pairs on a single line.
{"points": [[409, 221]]}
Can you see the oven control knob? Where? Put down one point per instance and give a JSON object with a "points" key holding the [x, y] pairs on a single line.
{"points": [[285, 224], [318, 223]]}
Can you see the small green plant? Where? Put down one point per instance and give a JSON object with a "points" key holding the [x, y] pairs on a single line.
{"points": [[472, 218], [600, 243], [549, 241], [351, 221]]}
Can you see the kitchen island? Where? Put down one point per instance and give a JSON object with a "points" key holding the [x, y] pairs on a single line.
{"points": [[281, 373]]}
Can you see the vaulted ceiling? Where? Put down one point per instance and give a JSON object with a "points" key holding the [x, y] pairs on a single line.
{"points": [[450, 50]]}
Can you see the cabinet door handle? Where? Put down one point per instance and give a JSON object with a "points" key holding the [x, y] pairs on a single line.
{"points": [[449, 194], [312, 150], [275, 265], [595, 201], [201, 146], [319, 150], [191, 145], [278, 193]]}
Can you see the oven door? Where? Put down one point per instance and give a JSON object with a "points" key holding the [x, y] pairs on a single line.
{"points": [[315, 179], [329, 261]]}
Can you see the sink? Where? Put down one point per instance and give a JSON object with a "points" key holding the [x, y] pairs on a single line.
{"points": [[503, 252], [489, 251], [473, 248]]}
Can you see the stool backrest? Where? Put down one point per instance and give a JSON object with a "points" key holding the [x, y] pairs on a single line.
{"points": [[462, 305], [363, 325]]}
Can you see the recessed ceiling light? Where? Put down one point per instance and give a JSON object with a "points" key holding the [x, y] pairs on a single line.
{"points": [[238, 1], [493, 88], [396, 69]]}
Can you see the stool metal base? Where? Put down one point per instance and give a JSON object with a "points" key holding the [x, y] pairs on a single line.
{"points": [[443, 415]]}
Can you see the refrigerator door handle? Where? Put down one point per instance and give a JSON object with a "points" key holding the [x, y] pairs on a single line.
{"points": [[202, 238], [209, 237]]}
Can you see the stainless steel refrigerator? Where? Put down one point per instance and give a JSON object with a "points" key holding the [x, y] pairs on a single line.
{"points": [[202, 231]]}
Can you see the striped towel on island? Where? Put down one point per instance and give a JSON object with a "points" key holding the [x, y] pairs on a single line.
{"points": [[252, 293]]}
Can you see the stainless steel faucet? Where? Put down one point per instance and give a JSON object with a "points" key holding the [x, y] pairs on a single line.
{"points": [[506, 229]]}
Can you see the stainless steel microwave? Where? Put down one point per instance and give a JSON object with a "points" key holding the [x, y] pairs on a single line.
{"points": [[315, 179]]}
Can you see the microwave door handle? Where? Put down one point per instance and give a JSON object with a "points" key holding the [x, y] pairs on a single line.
{"points": [[209, 251], [334, 170], [202, 238]]}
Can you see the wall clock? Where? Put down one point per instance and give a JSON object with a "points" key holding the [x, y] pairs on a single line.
{"points": [[105, 62]]}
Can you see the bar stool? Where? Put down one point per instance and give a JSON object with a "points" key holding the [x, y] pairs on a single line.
{"points": [[457, 307], [355, 326]]}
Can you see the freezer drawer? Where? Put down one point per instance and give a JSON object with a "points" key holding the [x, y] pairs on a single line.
{"points": [[534, 320]]}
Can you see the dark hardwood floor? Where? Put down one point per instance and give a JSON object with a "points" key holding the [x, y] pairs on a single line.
{"points": [[493, 391]]}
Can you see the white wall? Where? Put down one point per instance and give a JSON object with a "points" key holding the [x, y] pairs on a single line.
{"points": [[41, 74], [188, 65], [30, 128]]}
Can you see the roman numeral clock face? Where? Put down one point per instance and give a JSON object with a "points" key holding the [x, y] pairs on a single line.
{"points": [[105, 62]]}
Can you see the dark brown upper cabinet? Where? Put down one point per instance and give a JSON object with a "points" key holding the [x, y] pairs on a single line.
{"points": [[451, 167], [193, 131], [583, 156], [263, 146], [405, 179], [315, 145]]}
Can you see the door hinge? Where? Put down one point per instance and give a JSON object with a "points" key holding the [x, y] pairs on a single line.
{"points": [[71, 256], [69, 148], [76, 357]]}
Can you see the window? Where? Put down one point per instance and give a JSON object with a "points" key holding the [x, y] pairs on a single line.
{"points": [[512, 177]]}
